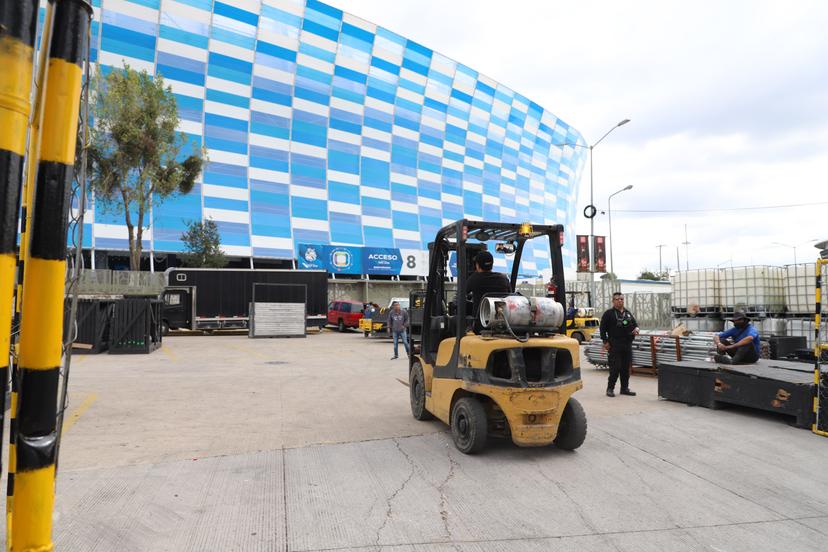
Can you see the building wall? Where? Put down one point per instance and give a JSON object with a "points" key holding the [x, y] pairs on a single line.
{"points": [[323, 128]]}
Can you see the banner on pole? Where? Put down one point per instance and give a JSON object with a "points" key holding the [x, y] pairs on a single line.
{"points": [[599, 248], [583, 253]]}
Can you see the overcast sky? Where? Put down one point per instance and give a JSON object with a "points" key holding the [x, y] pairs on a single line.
{"points": [[728, 101]]}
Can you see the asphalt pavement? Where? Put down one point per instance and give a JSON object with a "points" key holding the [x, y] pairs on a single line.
{"points": [[219, 443]]}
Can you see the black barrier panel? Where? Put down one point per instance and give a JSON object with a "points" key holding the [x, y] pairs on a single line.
{"points": [[93, 319], [135, 326]]}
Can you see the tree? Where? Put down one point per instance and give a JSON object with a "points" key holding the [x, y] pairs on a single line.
{"points": [[649, 275], [135, 150], [202, 245], [609, 276]]}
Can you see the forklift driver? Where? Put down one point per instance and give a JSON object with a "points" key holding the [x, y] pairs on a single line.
{"points": [[483, 281]]}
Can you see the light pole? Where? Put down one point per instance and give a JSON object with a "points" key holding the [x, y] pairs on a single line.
{"points": [[660, 246], [609, 210], [787, 245], [794, 247], [591, 207]]}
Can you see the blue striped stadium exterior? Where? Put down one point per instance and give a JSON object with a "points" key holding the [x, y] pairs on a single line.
{"points": [[324, 128]]}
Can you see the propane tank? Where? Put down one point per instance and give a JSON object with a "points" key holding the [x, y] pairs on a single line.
{"points": [[521, 312], [546, 312]]}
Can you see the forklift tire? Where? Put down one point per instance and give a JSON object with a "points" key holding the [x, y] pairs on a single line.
{"points": [[469, 426], [573, 427], [341, 325], [416, 385], [165, 328], [365, 334], [578, 336]]}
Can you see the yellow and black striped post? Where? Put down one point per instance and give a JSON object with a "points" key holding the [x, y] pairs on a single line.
{"points": [[30, 170], [18, 26], [820, 379], [41, 330]]}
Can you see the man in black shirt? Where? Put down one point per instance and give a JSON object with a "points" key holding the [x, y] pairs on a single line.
{"points": [[483, 281], [618, 330]]}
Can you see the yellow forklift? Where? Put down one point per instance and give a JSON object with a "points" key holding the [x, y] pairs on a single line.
{"points": [[512, 378], [581, 322]]}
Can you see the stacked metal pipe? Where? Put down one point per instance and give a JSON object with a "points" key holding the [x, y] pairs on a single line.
{"points": [[694, 347]]}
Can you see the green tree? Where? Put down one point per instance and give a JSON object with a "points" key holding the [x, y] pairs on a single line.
{"points": [[609, 276], [649, 275], [202, 245], [136, 151]]}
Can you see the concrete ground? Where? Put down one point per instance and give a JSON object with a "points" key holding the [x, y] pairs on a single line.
{"points": [[222, 443]]}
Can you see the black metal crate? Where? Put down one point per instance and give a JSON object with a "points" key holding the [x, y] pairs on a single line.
{"points": [[135, 326]]}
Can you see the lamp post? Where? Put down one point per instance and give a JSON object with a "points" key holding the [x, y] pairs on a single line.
{"points": [[660, 247], [794, 247], [609, 210], [787, 245], [591, 207]]}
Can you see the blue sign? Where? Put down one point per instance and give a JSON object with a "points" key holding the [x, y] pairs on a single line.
{"points": [[453, 264], [344, 260], [340, 259], [312, 257], [377, 260]]}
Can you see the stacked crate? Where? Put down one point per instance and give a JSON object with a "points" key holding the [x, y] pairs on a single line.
{"points": [[695, 300], [800, 299]]}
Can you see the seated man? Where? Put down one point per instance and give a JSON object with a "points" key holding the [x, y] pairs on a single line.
{"points": [[483, 281], [739, 344]]}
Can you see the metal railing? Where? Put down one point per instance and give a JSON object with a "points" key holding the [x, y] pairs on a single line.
{"points": [[120, 282]]}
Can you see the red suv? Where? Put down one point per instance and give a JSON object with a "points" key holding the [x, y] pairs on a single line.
{"points": [[344, 314]]}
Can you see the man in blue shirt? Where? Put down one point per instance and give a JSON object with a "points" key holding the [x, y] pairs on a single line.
{"points": [[739, 344]]}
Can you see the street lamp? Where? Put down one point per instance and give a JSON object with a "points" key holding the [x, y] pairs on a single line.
{"points": [[609, 210], [591, 208], [660, 246], [787, 245]]}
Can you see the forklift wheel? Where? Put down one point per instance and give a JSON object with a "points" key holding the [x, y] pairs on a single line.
{"points": [[341, 325], [365, 334], [573, 427], [416, 385], [165, 328], [578, 336], [469, 426]]}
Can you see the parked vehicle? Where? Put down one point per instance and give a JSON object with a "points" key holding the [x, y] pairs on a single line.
{"points": [[220, 298], [344, 314]]}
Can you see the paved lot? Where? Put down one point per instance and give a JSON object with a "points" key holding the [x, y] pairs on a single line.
{"points": [[226, 443]]}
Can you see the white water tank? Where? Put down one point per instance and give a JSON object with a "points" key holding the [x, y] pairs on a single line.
{"points": [[695, 291], [799, 283]]}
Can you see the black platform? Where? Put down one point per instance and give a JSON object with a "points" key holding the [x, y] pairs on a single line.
{"points": [[771, 385]]}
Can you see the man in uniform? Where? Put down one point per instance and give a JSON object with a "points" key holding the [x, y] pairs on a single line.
{"points": [[618, 330]]}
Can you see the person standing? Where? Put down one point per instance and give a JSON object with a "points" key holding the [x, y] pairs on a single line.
{"points": [[398, 324], [618, 330]]}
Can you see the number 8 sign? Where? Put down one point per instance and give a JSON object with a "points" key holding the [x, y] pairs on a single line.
{"points": [[415, 262]]}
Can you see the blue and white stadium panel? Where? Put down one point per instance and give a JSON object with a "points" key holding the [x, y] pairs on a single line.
{"points": [[323, 128]]}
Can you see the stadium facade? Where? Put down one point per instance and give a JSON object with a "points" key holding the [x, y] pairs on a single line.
{"points": [[325, 129]]}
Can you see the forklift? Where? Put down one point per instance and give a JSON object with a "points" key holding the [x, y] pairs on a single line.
{"points": [[515, 376], [581, 322]]}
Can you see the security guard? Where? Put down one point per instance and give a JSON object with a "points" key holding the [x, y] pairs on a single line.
{"points": [[618, 330]]}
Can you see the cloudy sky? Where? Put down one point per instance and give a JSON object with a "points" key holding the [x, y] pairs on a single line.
{"points": [[728, 102]]}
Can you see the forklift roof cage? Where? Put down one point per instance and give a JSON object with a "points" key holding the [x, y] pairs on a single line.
{"points": [[454, 237]]}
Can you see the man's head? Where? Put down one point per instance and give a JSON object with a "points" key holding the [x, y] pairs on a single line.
{"points": [[740, 319], [483, 261], [618, 300], [396, 306]]}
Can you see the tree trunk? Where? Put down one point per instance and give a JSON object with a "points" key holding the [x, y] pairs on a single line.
{"points": [[135, 262]]}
